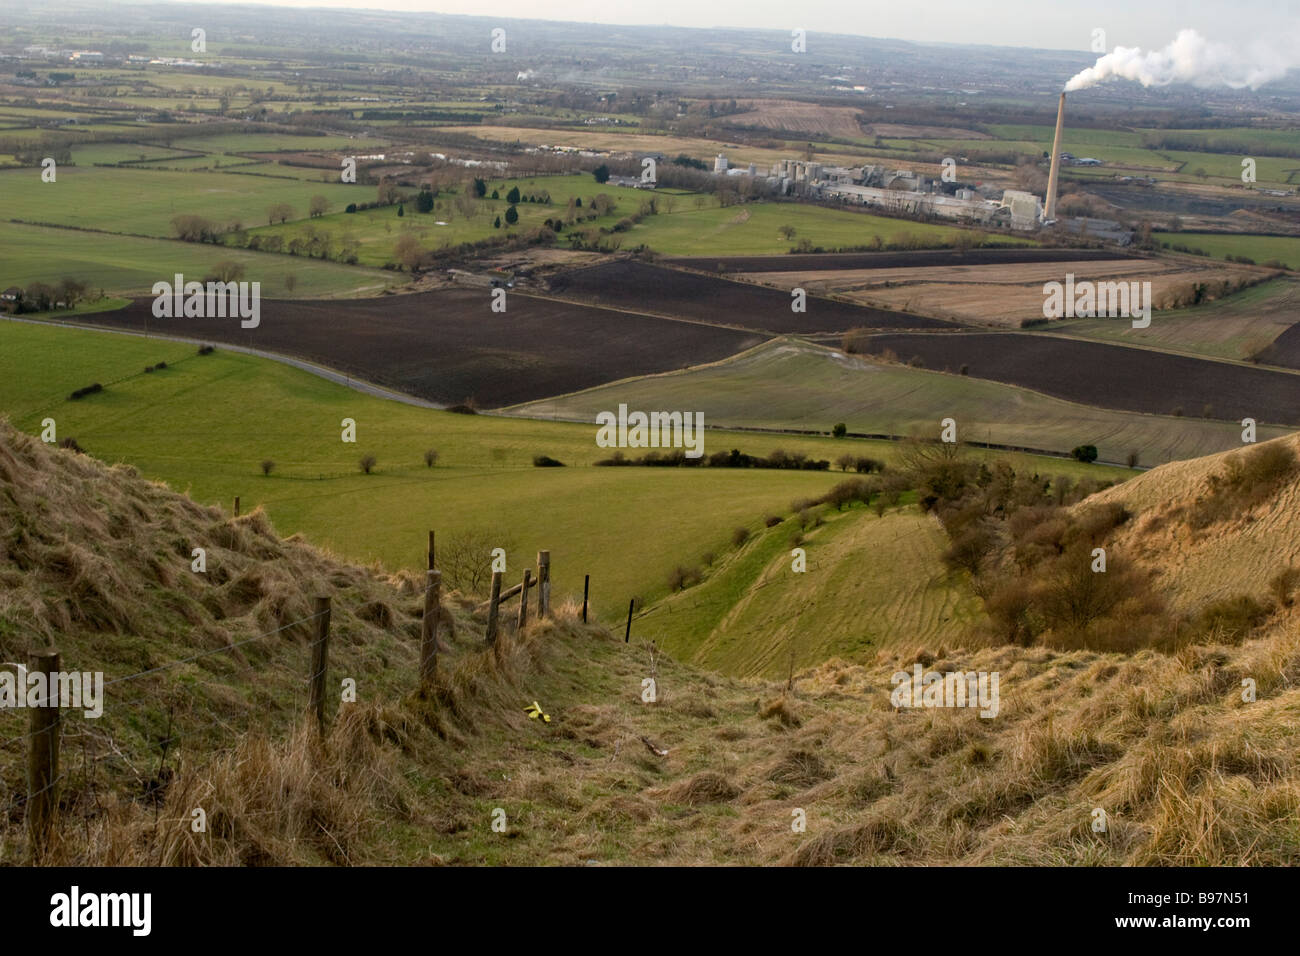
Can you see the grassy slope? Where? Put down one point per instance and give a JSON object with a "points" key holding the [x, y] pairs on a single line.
{"points": [[796, 385], [870, 583], [1226, 328], [1221, 561], [1187, 773], [132, 265]]}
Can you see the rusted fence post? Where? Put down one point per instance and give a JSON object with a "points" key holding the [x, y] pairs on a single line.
{"points": [[236, 506], [432, 563], [494, 607], [543, 583], [586, 586], [523, 598], [43, 756], [429, 626], [320, 662]]}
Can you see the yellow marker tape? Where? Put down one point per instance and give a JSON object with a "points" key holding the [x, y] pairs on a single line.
{"points": [[535, 711]]}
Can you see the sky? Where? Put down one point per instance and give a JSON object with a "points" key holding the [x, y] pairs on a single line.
{"points": [[1047, 24]]}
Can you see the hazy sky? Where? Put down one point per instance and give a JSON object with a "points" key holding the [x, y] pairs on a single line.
{"points": [[1054, 24]]}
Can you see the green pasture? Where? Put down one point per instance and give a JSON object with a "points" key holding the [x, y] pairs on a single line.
{"points": [[1232, 328], [144, 202], [790, 384], [127, 264], [1284, 249]]}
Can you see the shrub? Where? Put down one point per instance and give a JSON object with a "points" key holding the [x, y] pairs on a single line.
{"points": [[970, 547], [546, 461], [1231, 620], [71, 444], [430, 457], [840, 430], [367, 463], [1132, 459], [739, 536], [1284, 584], [206, 349], [680, 578], [88, 390], [771, 521], [1085, 453], [267, 466]]}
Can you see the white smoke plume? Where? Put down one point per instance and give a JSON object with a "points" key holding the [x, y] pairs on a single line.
{"points": [[1193, 59]]}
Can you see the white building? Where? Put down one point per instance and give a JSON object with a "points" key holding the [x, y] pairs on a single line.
{"points": [[720, 163], [1026, 208]]}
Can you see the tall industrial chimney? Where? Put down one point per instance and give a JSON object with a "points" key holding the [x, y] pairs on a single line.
{"points": [[1049, 211]]}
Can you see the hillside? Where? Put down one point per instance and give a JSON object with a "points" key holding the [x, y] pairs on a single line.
{"points": [[871, 582], [713, 772], [1201, 556]]}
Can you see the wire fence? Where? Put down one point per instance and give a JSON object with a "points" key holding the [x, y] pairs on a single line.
{"points": [[109, 750]]}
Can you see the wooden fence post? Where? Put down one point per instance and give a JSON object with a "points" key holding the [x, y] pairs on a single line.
{"points": [[523, 599], [320, 661], [586, 586], [43, 756], [494, 607], [432, 563], [236, 506], [543, 583], [627, 635], [429, 625]]}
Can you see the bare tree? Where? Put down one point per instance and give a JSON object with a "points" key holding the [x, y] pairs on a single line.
{"points": [[281, 211], [465, 558]]}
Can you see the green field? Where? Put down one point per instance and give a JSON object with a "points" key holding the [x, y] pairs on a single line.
{"points": [[376, 231], [126, 264], [751, 229], [1284, 249], [88, 154], [1233, 328], [143, 202], [792, 384]]}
